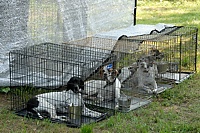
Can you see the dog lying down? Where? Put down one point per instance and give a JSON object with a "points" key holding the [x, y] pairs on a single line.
{"points": [[104, 90], [54, 102]]}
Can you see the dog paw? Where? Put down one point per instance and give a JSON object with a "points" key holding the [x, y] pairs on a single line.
{"points": [[64, 117], [149, 91], [122, 86], [117, 106], [96, 114], [155, 91], [93, 114], [61, 118]]}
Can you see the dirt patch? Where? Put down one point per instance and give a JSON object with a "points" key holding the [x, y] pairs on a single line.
{"points": [[5, 101], [172, 108]]}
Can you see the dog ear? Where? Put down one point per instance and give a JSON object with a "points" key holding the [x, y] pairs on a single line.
{"points": [[81, 84], [101, 72], [115, 72], [71, 83], [138, 62], [119, 71]]}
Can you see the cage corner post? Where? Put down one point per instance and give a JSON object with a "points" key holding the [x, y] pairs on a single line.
{"points": [[134, 13]]}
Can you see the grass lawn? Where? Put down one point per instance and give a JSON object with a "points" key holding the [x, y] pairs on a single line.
{"points": [[175, 110]]}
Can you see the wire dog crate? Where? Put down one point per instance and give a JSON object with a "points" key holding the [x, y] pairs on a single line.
{"points": [[172, 53], [47, 68], [179, 47], [177, 54]]}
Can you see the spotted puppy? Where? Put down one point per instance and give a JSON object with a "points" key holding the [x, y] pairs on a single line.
{"points": [[54, 102], [107, 89]]}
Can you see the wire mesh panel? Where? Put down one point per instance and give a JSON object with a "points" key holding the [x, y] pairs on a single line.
{"points": [[47, 81], [179, 48], [188, 39], [170, 55]]}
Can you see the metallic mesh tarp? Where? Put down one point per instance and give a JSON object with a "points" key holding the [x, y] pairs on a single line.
{"points": [[28, 22], [67, 20], [14, 15]]}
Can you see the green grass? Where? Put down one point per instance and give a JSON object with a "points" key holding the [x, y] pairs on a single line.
{"points": [[175, 110], [178, 13]]}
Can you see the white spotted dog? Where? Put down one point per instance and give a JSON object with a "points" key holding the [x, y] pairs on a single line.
{"points": [[106, 89], [54, 102]]}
